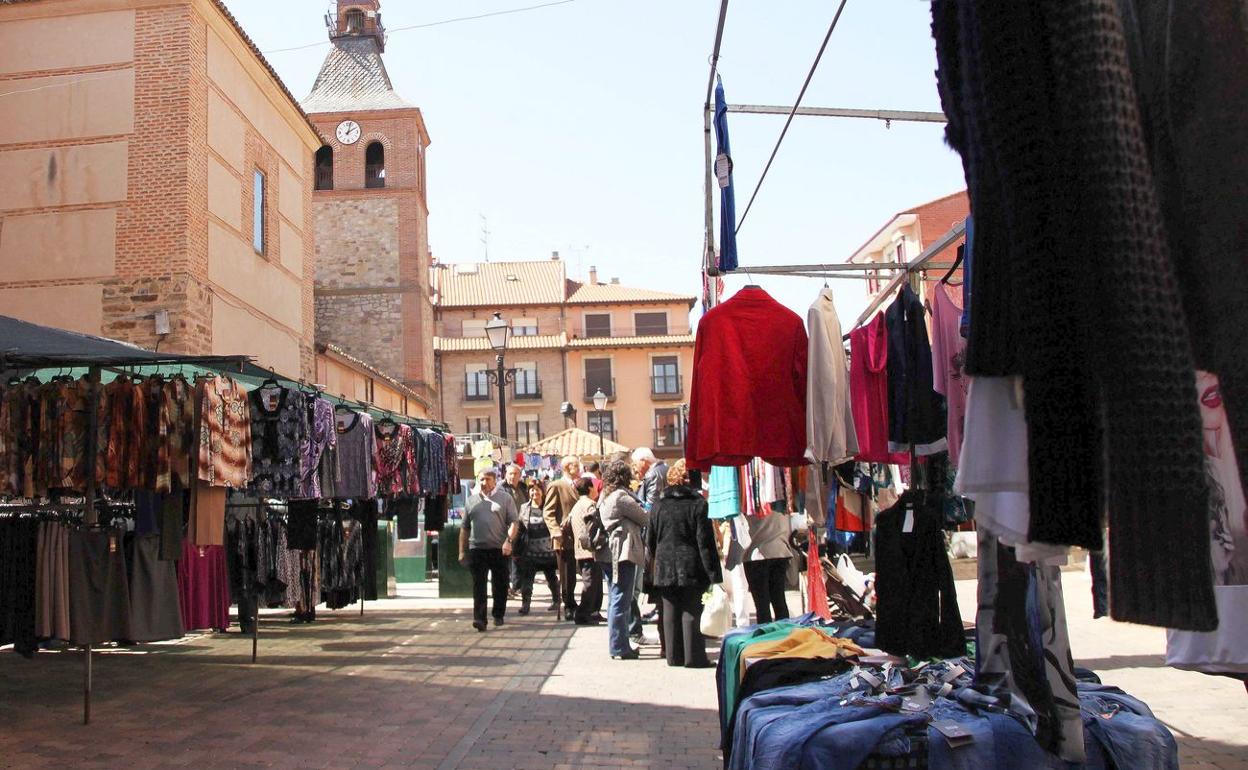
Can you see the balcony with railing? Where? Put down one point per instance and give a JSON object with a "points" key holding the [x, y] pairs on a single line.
{"points": [[668, 436], [667, 387], [526, 389], [324, 178], [610, 434], [478, 390], [581, 331], [607, 384]]}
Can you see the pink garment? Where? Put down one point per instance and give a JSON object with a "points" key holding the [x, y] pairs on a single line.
{"points": [[816, 591], [868, 389], [948, 360], [203, 590]]}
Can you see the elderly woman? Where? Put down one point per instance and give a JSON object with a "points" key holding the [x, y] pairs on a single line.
{"points": [[591, 563], [686, 563], [623, 517], [539, 553]]}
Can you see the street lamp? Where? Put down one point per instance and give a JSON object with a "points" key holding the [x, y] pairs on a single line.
{"points": [[497, 331], [600, 403]]}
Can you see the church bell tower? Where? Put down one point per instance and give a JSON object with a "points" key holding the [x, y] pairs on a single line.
{"points": [[370, 205]]}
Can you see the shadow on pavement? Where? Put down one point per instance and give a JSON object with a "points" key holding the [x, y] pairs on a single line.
{"points": [[449, 698]]}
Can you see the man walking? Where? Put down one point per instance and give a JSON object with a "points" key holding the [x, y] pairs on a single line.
{"points": [[560, 498], [653, 475], [491, 523], [514, 487]]}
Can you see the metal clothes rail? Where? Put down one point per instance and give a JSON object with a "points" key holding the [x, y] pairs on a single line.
{"points": [[710, 266]]}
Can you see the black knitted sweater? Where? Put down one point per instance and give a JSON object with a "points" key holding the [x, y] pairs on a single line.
{"points": [[1074, 290]]}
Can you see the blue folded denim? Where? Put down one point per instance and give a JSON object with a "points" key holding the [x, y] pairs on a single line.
{"points": [[1126, 729]]}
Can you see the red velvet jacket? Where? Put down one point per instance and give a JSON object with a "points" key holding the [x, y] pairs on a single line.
{"points": [[749, 384]]}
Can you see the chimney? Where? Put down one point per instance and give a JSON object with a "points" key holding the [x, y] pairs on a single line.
{"points": [[615, 281], [554, 255], [593, 276]]}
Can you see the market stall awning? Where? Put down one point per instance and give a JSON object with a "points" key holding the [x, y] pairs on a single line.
{"points": [[573, 441], [25, 345]]}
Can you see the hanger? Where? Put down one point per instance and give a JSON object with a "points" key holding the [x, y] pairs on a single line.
{"points": [[270, 382], [956, 263]]}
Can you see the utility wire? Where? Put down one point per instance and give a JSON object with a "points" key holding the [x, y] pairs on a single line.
{"points": [[792, 112], [436, 23]]}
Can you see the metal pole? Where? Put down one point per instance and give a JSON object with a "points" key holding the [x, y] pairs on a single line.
{"points": [[901, 116], [255, 629], [502, 398], [602, 442], [89, 516], [86, 686], [708, 256]]}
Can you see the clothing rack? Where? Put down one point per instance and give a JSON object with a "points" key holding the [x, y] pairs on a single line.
{"points": [[372, 409], [710, 267], [95, 362]]}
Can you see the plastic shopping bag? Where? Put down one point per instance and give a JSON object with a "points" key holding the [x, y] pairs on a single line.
{"points": [[716, 615]]}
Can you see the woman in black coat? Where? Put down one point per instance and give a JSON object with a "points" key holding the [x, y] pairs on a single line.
{"points": [[686, 563]]}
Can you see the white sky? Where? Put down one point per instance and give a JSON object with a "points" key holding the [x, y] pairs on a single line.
{"points": [[578, 127]]}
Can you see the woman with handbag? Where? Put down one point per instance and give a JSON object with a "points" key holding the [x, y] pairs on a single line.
{"points": [[623, 517], [535, 551], [686, 563]]}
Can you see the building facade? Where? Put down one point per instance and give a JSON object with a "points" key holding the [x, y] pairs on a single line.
{"points": [[154, 167], [569, 340], [369, 206], [907, 234]]}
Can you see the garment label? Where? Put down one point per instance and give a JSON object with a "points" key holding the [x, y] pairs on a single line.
{"points": [[201, 552], [953, 673], [342, 420], [723, 169], [871, 679], [955, 734], [908, 524], [112, 544], [271, 400]]}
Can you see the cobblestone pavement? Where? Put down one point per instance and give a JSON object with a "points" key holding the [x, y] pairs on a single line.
{"points": [[410, 684]]}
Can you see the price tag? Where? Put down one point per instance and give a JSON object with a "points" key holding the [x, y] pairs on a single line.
{"points": [[908, 524], [723, 170], [954, 733], [112, 544], [953, 673]]}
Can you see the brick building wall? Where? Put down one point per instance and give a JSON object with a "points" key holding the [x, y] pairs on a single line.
{"points": [[456, 409], [125, 225]]}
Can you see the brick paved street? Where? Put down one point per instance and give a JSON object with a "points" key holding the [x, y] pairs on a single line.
{"points": [[412, 685]]}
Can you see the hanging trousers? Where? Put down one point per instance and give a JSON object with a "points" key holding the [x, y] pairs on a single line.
{"points": [[767, 579], [681, 619]]}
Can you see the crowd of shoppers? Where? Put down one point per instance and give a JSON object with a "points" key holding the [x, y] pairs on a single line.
{"points": [[632, 523]]}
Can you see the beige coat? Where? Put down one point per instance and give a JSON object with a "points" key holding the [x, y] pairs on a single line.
{"points": [[583, 509], [624, 519], [830, 434], [560, 498]]}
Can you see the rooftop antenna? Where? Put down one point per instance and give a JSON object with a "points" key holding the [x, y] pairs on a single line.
{"points": [[485, 236]]}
